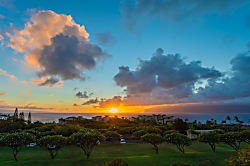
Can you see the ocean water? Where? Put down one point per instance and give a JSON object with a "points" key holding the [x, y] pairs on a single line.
{"points": [[50, 117]]}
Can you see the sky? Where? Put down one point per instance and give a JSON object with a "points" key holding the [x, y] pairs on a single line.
{"points": [[137, 56]]}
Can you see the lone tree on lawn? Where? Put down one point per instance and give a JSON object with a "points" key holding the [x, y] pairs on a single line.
{"points": [[212, 138], [153, 139], [229, 119], [180, 140], [16, 141], [53, 144], [87, 140], [233, 139]]}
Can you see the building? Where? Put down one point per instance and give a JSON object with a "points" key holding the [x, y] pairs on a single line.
{"points": [[158, 118], [4, 116], [193, 134], [97, 118], [103, 119]]}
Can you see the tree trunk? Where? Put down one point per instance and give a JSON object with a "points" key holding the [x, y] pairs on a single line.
{"points": [[14, 151], [156, 149], [181, 149], [15, 157], [52, 155], [88, 155], [212, 147]]}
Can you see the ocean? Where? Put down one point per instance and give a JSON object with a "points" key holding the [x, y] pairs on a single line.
{"points": [[50, 117]]}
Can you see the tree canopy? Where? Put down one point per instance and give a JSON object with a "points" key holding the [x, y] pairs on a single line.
{"points": [[153, 139], [212, 138], [52, 143], [87, 140], [16, 141], [180, 140]]}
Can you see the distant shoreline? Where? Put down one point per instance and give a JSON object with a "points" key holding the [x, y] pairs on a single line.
{"points": [[202, 117]]}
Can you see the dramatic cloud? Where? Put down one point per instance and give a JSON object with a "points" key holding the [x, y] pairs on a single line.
{"points": [[173, 10], [113, 102], [167, 72], [3, 93], [167, 79], [56, 45], [235, 85], [48, 82], [91, 101], [83, 95], [105, 38]]}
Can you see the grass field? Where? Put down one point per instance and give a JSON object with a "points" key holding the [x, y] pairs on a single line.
{"points": [[133, 154]]}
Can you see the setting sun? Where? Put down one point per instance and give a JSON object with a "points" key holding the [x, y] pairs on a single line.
{"points": [[113, 110]]}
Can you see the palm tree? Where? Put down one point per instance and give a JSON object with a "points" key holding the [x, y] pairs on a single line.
{"points": [[236, 119], [228, 118]]}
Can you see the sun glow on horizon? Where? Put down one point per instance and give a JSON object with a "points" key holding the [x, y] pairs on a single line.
{"points": [[113, 110]]}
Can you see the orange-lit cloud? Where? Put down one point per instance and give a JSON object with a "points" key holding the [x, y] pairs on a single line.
{"points": [[6, 74], [3, 93], [49, 82], [38, 33], [57, 46], [12, 77], [2, 102]]}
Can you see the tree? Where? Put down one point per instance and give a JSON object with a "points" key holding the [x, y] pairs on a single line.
{"points": [[112, 136], [212, 138], [153, 139], [170, 132], [180, 140], [233, 139], [145, 130], [179, 125], [53, 144], [16, 141], [16, 113], [29, 117], [87, 140], [229, 119], [67, 130]]}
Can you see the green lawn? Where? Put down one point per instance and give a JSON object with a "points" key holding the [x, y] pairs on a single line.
{"points": [[133, 154]]}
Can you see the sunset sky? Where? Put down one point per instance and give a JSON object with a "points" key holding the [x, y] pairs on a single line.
{"points": [[89, 56]]}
